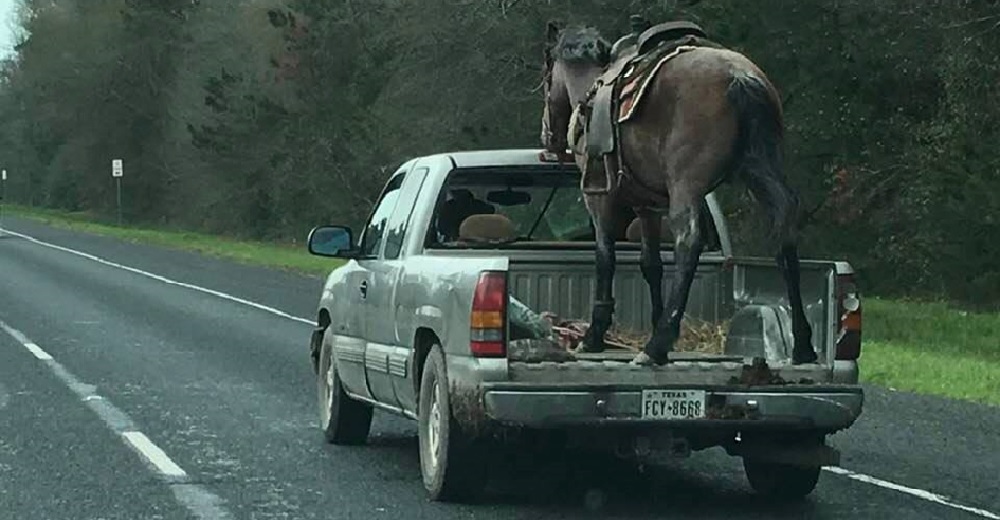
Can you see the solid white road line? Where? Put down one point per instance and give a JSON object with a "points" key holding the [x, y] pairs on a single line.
{"points": [[153, 454], [200, 501], [919, 493], [859, 477], [164, 279]]}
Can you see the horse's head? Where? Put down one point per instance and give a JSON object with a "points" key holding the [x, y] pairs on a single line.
{"points": [[574, 58]]}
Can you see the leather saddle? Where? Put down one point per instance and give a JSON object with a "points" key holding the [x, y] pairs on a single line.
{"points": [[634, 57]]}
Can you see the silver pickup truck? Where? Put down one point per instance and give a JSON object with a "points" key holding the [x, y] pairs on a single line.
{"points": [[442, 312]]}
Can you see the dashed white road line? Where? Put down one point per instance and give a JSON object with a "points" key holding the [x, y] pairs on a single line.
{"points": [[153, 454], [200, 501], [858, 477], [37, 351]]}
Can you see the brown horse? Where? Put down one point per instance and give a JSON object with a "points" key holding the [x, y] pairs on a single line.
{"points": [[708, 115]]}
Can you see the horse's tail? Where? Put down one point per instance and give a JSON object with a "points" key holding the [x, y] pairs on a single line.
{"points": [[757, 155]]}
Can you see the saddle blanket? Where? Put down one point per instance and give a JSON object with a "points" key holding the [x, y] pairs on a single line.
{"points": [[636, 80]]}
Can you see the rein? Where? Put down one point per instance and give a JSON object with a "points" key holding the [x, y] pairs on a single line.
{"points": [[547, 122]]}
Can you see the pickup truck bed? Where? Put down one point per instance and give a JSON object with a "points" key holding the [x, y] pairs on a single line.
{"points": [[605, 389]]}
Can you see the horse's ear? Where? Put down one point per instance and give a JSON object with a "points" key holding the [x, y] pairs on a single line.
{"points": [[552, 29], [604, 51]]}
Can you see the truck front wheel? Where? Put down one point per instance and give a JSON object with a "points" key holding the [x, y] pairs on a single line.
{"points": [[449, 458], [344, 420]]}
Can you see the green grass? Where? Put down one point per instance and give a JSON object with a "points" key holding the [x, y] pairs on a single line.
{"points": [[265, 254], [927, 348], [931, 348]]}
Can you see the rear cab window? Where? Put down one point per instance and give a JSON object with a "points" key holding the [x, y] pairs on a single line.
{"points": [[520, 207]]}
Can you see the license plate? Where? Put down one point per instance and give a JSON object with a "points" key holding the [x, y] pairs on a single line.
{"points": [[673, 404]]}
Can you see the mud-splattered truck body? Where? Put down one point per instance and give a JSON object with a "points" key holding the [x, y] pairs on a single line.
{"points": [[443, 312]]}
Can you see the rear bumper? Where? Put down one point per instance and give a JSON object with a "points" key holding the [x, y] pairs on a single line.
{"points": [[826, 409]]}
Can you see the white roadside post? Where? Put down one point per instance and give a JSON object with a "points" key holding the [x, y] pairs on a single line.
{"points": [[117, 171]]}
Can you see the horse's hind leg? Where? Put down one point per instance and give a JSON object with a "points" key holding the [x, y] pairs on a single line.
{"points": [[601, 208], [782, 203], [686, 223], [759, 114], [788, 263]]}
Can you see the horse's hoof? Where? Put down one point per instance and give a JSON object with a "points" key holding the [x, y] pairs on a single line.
{"points": [[804, 355], [588, 345], [658, 350], [584, 348], [642, 359]]}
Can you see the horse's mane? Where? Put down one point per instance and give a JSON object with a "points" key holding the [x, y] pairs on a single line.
{"points": [[578, 44]]}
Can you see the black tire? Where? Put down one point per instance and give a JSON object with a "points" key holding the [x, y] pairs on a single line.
{"points": [[450, 461], [344, 420], [781, 481]]}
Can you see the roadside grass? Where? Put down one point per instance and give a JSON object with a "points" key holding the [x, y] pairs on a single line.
{"points": [[286, 256], [931, 348], [923, 347]]}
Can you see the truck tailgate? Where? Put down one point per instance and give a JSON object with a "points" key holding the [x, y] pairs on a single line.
{"points": [[826, 408], [686, 393]]}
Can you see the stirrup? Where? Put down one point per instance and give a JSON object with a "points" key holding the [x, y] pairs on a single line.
{"points": [[610, 170]]}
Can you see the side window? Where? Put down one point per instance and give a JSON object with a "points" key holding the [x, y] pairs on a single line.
{"points": [[371, 240], [400, 219]]}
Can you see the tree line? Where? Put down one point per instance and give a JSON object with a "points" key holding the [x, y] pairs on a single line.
{"points": [[261, 118]]}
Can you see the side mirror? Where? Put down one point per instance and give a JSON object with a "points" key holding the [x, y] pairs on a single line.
{"points": [[335, 241]]}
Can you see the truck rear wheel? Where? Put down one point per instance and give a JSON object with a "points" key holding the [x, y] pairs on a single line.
{"points": [[449, 458], [345, 420], [781, 481]]}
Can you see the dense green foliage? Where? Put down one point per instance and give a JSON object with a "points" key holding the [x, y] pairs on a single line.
{"points": [[261, 118]]}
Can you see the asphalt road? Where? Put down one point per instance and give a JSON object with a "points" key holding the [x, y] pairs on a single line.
{"points": [[181, 391]]}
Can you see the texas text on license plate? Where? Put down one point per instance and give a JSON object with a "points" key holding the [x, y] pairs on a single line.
{"points": [[673, 404]]}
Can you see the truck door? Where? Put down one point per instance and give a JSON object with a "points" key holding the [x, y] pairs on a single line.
{"points": [[387, 353], [351, 362]]}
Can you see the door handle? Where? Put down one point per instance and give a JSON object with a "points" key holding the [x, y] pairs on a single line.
{"points": [[364, 288]]}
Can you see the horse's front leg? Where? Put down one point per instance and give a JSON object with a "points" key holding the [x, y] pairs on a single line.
{"points": [[600, 207], [651, 263]]}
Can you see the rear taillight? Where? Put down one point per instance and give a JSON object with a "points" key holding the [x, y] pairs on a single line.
{"points": [[849, 313], [489, 315]]}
